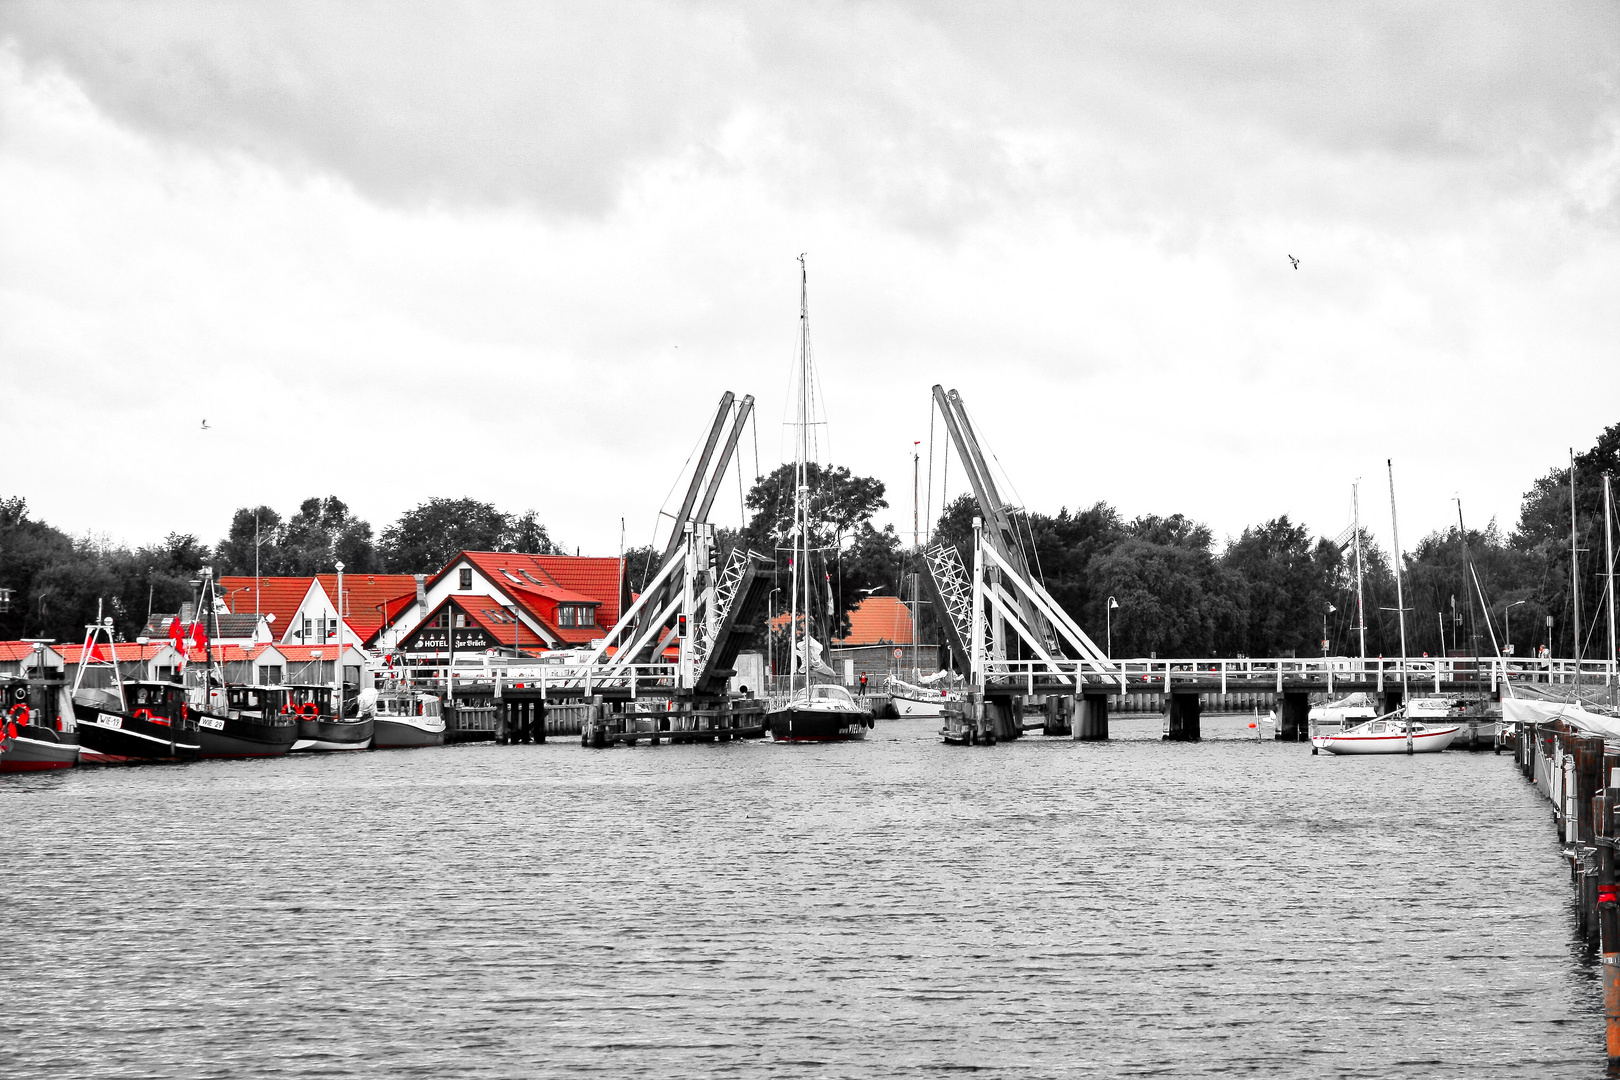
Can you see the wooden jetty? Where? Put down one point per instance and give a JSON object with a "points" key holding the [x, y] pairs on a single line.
{"points": [[1580, 775]]}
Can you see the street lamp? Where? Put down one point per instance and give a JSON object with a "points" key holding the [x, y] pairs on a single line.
{"points": [[1330, 609], [1507, 632], [1108, 620]]}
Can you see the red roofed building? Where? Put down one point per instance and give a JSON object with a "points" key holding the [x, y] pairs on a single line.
{"points": [[306, 612], [153, 661], [879, 628], [17, 658], [511, 602]]}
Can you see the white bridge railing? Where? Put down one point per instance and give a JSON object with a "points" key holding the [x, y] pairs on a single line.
{"points": [[570, 680], [1391, 672]]}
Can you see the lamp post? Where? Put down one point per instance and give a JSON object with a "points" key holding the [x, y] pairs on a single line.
{"points": [[1507, 631], [1108, 621], [1330, 609]]}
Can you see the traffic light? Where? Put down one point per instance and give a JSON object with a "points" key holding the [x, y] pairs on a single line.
{"points": [[680, 625]]}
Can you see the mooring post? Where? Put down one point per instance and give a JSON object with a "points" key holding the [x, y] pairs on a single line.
{"points": [[1608, 912], [1184, 718]]}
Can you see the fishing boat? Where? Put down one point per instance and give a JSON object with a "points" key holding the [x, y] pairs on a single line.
{"points": [[232, 721], [1393, 733], [812, 712], [244, 722], [135, 720], [33, 738], [321, 727], [403, 717]]}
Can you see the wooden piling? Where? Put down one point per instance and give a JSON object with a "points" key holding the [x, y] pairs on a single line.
{"points": [[1185, 716]]}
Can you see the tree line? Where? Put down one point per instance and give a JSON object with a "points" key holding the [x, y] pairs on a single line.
{"points": [[56, 583]]}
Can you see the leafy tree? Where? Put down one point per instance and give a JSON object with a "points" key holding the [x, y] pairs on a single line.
{"points": [[250, 526], [429, 536], [320, 535], [526, 534], [1287, 582]]}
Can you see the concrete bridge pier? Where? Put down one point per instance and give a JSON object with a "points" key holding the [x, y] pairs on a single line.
{"points": [[1091, 718], [1004, 716], [1391, 702], [1294, 717], [1184, 718], [1059, 714]]}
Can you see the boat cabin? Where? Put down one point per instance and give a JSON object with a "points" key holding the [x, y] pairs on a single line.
{"points": [[255, 700], [161, 700], [834, 695], [407, 705], [310, 700]]}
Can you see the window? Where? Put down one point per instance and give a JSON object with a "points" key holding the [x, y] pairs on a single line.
{"points": [[461, 620], [587, 616], [270, 674], [304, 631], [466, 577], [351, 674], [565, 615]]}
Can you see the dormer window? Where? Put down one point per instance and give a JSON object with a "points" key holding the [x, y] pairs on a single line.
{"points": [[565, 615]]}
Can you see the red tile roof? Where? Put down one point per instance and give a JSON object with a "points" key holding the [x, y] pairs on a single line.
{"points": [[303, 653], [368, 596], [19, 650], [124, 650], [878, 620], [573, 579], [278, 596], [490, 614]]}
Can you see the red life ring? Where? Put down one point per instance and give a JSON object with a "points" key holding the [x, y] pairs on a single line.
{"points": [[141, 714], [19, 715], [309, 708]]}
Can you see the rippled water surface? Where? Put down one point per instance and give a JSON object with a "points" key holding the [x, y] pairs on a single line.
{"points": [[892, 908]]}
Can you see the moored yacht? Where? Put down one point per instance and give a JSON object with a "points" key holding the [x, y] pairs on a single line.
{"points": [[1395, 733], [819, 714]]}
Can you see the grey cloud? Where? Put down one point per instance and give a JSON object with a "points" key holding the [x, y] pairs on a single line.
{"points": [[932, 115]]}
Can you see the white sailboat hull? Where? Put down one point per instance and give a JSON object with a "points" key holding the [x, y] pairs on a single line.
{"points": [[1428, 741]]}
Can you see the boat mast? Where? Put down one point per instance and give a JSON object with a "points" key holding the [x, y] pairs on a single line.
{"points": [[1574, 571], [801, 543], [1400, 598], [1608, 553], [1361, 612]]}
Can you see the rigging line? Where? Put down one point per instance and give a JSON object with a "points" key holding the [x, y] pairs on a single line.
{"points": [[985, 445], [930, 504]]}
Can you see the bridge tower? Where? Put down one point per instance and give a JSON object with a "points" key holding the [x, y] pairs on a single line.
{"points": [[1022, 650]]}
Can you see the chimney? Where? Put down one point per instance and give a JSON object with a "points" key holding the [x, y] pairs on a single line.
{"points": [[185, 611], [421, 596]]}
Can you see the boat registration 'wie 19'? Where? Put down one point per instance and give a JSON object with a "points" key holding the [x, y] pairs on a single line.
{"points": [[1388, 735]]}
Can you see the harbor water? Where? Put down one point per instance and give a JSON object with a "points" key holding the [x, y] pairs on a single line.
{"points": [[890, 908]]}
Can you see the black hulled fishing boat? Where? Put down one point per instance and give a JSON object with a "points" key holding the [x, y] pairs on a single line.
{"points": [[137, 720], [322, 726], [233, 721], [33, 736]]}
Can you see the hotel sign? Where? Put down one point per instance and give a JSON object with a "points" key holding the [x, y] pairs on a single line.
{"points": [[437, 639]]}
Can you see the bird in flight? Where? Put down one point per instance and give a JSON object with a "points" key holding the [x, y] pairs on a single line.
{"points": [[205, 425], [1294, 261]]}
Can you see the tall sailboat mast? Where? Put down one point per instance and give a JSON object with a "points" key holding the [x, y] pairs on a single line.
{"points": [[1574, 572], [1608, 554], [801, 494], [1400, 596], [1361, 612]]}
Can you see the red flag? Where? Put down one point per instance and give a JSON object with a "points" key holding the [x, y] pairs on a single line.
{"points": [[176, 635], [96, 655], [199, 635]]}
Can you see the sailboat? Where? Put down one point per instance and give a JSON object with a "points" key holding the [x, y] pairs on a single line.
{"points": [[824, 712]]}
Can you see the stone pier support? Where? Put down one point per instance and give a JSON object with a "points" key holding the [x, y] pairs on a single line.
{"points": [[1294, 717], [1091, 718], [1184, 718]]}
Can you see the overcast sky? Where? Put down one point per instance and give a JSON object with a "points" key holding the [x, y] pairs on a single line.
{"points": [[517, 251]]}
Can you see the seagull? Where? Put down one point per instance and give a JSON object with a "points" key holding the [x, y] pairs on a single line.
{"points": [[873, 589], [205, 425], [1294, 261]]}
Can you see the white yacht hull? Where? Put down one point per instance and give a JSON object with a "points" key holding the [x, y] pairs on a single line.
{"points": [[1428, 741]]}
